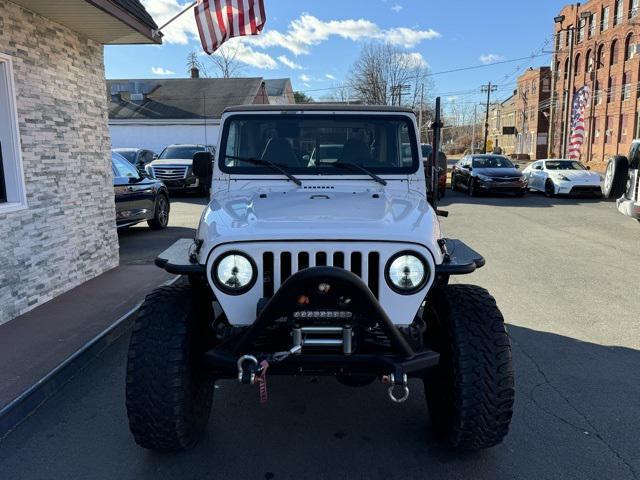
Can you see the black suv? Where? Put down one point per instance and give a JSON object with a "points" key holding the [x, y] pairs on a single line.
{"points": [[487, 173], [139, 198]]}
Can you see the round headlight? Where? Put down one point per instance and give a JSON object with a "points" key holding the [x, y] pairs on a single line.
{"points": [[234, 273], [406, 272]]}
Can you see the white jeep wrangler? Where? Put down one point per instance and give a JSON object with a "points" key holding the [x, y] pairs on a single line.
{"points": [[333, 267]]}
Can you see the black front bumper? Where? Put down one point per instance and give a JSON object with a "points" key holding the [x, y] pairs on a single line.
{"points": [[269, 333]]}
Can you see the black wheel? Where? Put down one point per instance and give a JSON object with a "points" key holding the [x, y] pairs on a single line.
{"points": [[472, 188], [168, 391], [454, 187], [616, 177], [521, 193], [549, 188], [470, 396], [160, 218]]}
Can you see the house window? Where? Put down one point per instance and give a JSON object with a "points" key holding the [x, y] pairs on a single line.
{"points": [[583, 23], [617, 13], [614, 53], [611, 90], [577, 67], [12, 191], [608, 127], [604, 25], [546, 85], [626, 87], [600, 57], [623, 128], [592, 25], [598, 93], [629, 47], [633, 9]]}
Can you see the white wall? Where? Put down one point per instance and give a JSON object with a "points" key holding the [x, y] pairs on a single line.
{"points": [[157, 136]]}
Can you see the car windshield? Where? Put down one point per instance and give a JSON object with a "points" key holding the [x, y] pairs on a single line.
{"points": [[491, 161], [128, 154], [564, 165], [181, 152], [312, 144]]}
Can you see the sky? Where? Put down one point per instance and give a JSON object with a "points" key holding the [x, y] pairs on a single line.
{"points": [[315, 42]]}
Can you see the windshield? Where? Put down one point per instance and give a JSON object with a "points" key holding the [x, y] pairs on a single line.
{"points": [[305, 144], [564, 165], [180, 153], [491, 161], [128, 154]]}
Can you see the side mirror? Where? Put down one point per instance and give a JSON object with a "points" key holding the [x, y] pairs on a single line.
{"points": [[203, 164], [588, 167], [517, 167], [306, 158]]}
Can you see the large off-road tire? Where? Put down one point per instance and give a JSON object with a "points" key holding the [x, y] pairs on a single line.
{"points": [[616, 177], [160, 218], [470, 396], [168, 392]]}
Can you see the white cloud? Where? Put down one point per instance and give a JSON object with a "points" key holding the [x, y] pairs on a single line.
{"points": [[308, 31], [330, 77], [161, 71], [305, 78], [397, 8], [301, 34], [289, 63], [491, 58], [245, 54], [415, 60]]}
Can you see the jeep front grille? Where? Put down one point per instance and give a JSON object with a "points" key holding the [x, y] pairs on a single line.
{"points": [[170, 172], [280, 265]]}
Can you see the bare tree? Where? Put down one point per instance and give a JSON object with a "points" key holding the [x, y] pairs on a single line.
{"points": [[386, 75], [226, 61], [193, 61]]}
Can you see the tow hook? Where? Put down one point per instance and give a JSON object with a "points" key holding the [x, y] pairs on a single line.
{"points": [[249, 377], [397, 387]]}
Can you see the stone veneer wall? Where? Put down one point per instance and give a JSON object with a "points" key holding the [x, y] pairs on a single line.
{"points": [[66, 236]]}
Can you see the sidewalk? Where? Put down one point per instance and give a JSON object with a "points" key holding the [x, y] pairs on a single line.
{"points": [[42, 349]]}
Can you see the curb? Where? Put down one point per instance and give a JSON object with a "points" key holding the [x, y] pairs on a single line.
{"points": [[31, 399]]}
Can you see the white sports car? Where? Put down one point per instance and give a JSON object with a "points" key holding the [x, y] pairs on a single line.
{"points": [[562, 177]]}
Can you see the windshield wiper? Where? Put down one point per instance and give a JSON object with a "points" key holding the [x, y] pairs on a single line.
{"points": [[355, 166], [267, 163]]}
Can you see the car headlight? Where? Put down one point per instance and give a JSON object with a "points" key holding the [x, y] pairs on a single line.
{"points": [[563, 178], [234, 273], [484, 178], [406, 272]]}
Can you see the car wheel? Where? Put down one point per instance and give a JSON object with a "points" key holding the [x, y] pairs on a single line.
{"points": [[470, 395], [549, 188], [521, 193], [168, 390], [454, 187], [160, 218], [616, 177]]}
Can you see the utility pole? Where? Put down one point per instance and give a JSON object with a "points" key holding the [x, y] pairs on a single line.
{"points": [[489, 89], [473, 131]]}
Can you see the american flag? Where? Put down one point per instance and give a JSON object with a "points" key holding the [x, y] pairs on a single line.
{"points": [[576, 139], [220, 20]]}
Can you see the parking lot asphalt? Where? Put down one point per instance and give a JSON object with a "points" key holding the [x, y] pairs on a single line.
{"points": [[565, 274]]}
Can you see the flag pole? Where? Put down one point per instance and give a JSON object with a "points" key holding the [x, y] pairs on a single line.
{"points": [[157, 32]]}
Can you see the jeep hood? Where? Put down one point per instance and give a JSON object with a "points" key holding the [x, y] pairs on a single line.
{"points": [[336, 215]]}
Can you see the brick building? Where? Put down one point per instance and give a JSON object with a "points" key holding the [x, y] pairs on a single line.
{"points": [[533, 106], [606, 57], [57, 211], [502, 124]]}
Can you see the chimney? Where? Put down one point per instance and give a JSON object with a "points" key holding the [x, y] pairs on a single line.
{"points": [[195, 73]]}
